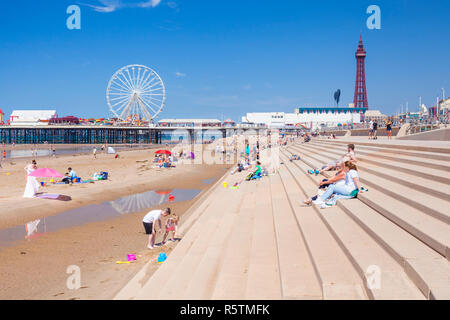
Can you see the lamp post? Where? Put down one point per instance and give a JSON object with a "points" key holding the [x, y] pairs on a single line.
{"points": [[437, 107]]}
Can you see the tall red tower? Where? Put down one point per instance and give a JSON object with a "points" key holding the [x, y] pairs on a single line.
{"points": [[360, 99]]}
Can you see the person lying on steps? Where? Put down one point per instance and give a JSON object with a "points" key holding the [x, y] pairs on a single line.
{"points": [[349, 156]]}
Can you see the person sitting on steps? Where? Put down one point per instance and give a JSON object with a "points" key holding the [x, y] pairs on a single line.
{"points": [[339, 178], [347, 190], [349, 156]]}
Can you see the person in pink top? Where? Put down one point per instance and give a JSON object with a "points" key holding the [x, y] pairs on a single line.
{"points": [[171, 226]]}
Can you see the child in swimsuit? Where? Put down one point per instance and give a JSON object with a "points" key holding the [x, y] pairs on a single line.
{"points": [[171, 226]]}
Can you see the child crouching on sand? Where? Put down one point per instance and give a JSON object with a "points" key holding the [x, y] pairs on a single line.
{"points": [[171, 226], [150, 221]]}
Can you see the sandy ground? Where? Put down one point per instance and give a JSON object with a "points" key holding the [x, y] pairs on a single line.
{"points": [[36, 269]]}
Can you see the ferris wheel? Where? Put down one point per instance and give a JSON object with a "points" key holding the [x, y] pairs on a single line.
{"points": [[136, 93]]}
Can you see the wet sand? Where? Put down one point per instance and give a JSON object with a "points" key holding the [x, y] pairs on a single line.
{"points": [[36, 268]]}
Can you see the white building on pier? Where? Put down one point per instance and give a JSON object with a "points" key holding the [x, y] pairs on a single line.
{"points": [[32, 117]]}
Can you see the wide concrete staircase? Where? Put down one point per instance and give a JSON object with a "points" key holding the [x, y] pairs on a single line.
{"points": [[261, 242]]}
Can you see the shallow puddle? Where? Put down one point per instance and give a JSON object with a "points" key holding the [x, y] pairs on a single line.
{"points": [[95, 213], [209, 181]]}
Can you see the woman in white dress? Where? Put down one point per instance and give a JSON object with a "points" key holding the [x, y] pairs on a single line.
{"points": [[32, 186]]}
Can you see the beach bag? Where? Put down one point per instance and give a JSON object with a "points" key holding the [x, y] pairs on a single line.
{"points": [[354, 193], [104, 175]]}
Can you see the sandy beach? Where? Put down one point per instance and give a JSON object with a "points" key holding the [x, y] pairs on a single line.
{"points": [[36, 268]]}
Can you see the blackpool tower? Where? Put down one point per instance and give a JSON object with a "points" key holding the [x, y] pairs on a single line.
{"points": [[360, 99]]}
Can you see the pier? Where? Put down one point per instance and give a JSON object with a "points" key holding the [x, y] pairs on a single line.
{"points": [[72, 134]]}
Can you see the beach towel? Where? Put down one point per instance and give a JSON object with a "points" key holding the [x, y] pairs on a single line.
{"points": [[82, 182], [49, 196]]}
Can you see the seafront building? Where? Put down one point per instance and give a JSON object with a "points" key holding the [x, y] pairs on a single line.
{"points": [[32, 117], [307, 117], [375, 115], [441, 109]]}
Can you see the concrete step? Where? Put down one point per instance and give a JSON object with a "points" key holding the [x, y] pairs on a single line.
{"points": [[177, 284], [203, 280], [200, 206], [231, 281], [442, 165], [429, 204], [298, 277], [166, 270], [424, 266], [134, 287], [338, 277], [396, 146], [431, 231], [430, 187], [364, 252], [420, 171], [419, 154], [263, 282], [181, 252]]}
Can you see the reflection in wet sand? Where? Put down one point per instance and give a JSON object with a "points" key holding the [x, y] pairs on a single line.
{"points": [[95, 213], [209, 181]]}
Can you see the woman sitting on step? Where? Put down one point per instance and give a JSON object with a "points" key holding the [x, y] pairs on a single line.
{"points": [[347, 190], [339, 178]]}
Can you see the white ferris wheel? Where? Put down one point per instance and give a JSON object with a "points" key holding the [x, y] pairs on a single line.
{"points": [[136, 93]]}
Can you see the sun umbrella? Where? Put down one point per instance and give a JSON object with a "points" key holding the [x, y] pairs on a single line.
{"points": [[163, 152], [45, 173]]}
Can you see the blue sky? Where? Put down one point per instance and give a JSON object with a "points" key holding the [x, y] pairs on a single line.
{"points": [[223, 58]]}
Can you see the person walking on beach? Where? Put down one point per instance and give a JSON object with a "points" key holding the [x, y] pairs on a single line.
{"points": [[247, 150], [3, 158], [149, 222], [95, 152]]}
